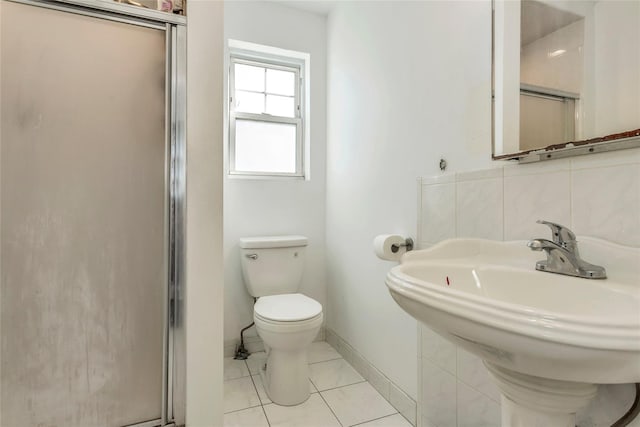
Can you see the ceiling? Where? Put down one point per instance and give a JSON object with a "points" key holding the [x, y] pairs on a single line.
{"points": [[539, 19], [320, 7]]}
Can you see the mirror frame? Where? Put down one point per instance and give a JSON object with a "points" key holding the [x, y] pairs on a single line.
{"points": [[618, 141]]}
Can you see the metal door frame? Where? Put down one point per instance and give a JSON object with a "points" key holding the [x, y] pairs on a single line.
{"points": [[175, 178]]}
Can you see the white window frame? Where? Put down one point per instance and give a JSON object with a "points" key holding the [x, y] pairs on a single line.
{"points": [[276, 62]]}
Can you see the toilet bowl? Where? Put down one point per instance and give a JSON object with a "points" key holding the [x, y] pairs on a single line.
{"points": [[287, 332], [287, 321]]}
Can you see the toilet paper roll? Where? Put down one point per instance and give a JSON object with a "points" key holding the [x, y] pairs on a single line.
{"points": [[383, 243]]}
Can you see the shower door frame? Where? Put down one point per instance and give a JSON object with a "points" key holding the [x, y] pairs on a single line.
{"points": [[174, 368]]}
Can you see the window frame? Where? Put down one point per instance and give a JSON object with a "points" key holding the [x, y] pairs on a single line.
{"points": [[276, 63]]}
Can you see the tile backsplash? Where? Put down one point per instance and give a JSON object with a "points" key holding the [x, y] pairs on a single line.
{"points": [[596, 195]]}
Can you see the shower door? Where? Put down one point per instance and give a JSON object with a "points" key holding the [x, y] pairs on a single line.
{"points": [[85, 219]]}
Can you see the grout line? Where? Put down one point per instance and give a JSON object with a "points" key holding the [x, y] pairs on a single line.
{"points": [[328, 360], [479, 391], [405, 417], [262, 405], [255, 388], [314, 386], [330, 408], [419, 215], [260, 399], [265, 415], [346, 385], [455, 204], [243, 409], [379, 418], [332, 360], [369, 364], [457, 400], [241, 376], [248, 369], [235, 378]]}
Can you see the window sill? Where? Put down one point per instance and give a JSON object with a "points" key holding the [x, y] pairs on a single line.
{"points": [[245, 177]]}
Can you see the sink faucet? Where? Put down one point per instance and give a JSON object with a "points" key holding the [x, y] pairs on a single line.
{"points": [[562, 254]]}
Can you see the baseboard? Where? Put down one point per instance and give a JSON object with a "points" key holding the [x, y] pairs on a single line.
{"points": [[404, 404]]}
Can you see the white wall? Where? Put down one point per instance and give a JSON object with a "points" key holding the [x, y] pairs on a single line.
{"points": [[204, 214], [563, 72], [596, 195], [507, 76], [408, 82], [1, 4], [271, 207], [617, 65]]}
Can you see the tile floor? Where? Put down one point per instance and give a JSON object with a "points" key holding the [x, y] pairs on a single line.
{"points": [[340, 396]]}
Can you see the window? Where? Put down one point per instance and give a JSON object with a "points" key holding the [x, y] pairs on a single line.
{"points": [[547, 116], [266, 116]]}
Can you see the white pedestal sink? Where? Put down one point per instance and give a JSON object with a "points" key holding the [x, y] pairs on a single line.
{"points": [[546, 339]]}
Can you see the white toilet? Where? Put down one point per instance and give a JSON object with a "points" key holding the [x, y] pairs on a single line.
{"points": [[286, 321]]}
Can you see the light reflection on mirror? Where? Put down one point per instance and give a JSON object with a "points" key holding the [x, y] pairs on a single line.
{"points": [[572, 75]]}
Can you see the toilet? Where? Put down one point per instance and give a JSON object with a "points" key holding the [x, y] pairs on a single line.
{"points": [[286, 321]]}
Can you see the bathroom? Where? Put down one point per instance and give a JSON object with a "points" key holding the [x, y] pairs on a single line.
{"points": [[394, 88]]}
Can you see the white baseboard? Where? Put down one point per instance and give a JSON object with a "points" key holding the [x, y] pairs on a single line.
{"points": [[404, 404]]}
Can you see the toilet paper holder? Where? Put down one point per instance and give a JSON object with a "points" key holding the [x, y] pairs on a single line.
{"points": [[408, 243]]}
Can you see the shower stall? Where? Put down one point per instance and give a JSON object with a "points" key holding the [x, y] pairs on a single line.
{"points": [[92, 149]]}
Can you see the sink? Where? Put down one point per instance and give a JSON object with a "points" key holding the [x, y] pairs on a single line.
{"points": [[544, 337]]}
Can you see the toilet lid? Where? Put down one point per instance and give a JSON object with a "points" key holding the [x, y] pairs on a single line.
{"points": [[287, 307]]}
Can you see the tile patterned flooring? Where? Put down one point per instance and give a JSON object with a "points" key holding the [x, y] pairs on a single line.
{"points": [[340, 396]]}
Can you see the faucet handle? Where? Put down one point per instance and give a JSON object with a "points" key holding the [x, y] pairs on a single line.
{"points": [[561, 234]]}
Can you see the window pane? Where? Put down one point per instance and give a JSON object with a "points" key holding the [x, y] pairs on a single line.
{"points": [[280, 106], [265, 147], [545, 121], [281, 82], [248, 77], [249, 102]]}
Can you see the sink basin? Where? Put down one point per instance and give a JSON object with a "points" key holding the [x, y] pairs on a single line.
{"points": [[487, 297]]}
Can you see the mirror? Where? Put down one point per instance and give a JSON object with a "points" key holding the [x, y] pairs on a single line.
{"points": [[566, 77]]}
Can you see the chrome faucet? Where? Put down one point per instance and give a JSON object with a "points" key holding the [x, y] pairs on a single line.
{"points": [[562, 254]]}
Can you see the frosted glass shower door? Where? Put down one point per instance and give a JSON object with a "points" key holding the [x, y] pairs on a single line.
{"points": [[83, 219]]}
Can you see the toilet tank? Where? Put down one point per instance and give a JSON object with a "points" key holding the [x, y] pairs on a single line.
{"points": [[272, 265]]}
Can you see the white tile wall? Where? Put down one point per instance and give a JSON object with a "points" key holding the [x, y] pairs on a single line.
{"points": [[605, 212], [438, 350], [479, 206], [438, 400], [528, 198], [596, 195], [438, 212], [471, 371], [475, 409]]}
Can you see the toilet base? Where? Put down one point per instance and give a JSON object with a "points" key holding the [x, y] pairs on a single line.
{"points": [[286, 377]]}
